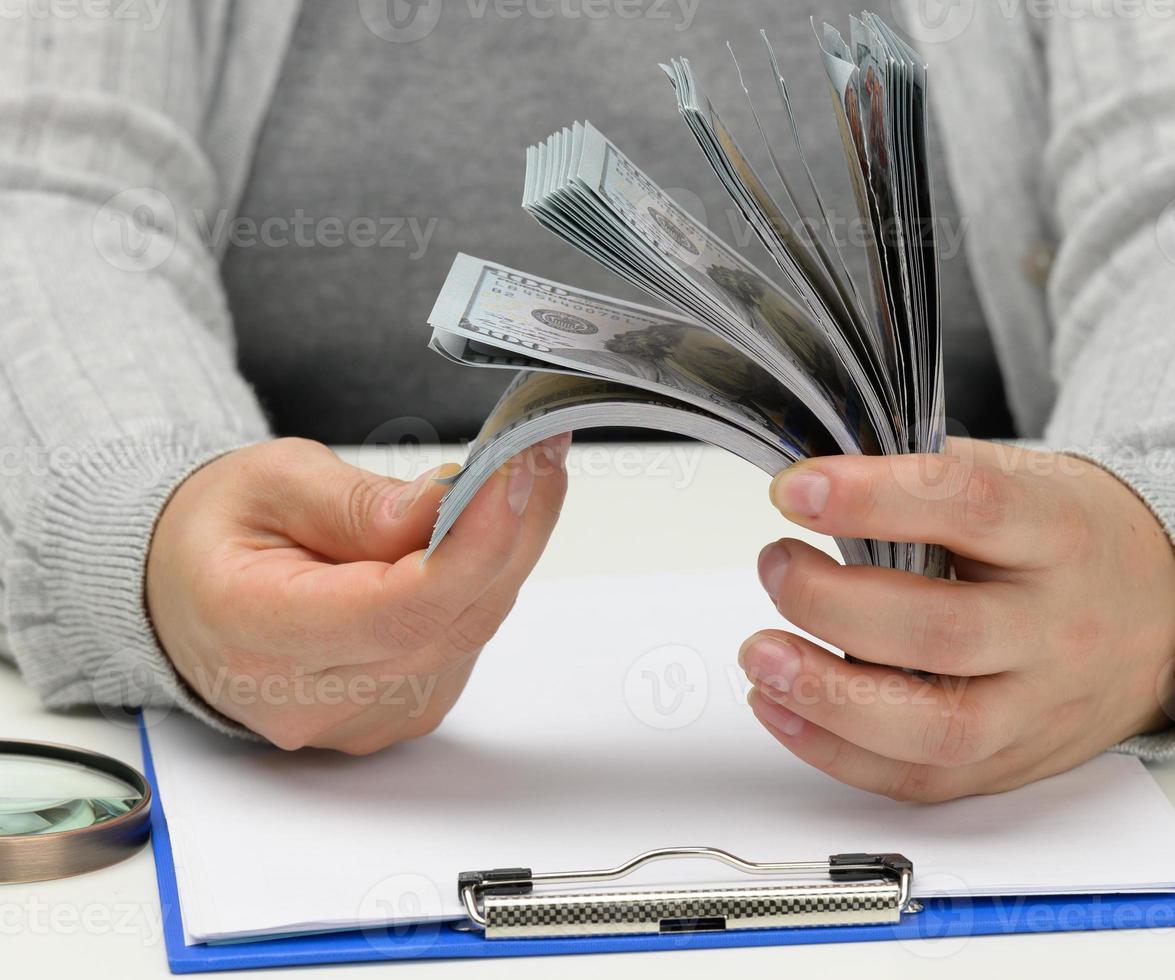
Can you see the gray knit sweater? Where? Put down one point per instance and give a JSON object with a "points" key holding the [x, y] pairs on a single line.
{"points": [[121, 132]]}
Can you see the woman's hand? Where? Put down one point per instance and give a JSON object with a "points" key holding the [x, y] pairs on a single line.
{"points": [[287, 589], [1056, 642]]}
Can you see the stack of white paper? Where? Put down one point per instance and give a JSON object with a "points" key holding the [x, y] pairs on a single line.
{"points": [[607, 718]]}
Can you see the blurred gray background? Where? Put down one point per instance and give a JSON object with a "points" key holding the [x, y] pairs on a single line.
{"points": [[424, 140]]}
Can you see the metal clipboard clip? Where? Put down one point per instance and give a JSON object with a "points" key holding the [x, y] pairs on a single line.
{"points": [[861, 889]]}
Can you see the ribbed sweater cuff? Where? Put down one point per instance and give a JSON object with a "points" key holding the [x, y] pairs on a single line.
{"points": [[77, 609], [1150, 473]]}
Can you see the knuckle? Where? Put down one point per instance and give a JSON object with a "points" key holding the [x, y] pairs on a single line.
{"points": [[1019, 627], [367, 745], [983, 503], [947, 632], [214, 594], [290, 448], [836, 762], [288, 738], [359, 505], [865, 499], [1072, 531], [476, 627], [912, 783], [410, 625], [549, 505], [799, 599], [427, 723], [959, 739], [1083, 635], [268, 467]]}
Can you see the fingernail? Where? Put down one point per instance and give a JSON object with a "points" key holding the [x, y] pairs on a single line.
{"points": [[771, 662], [520, 483], [553, 451], [400, 500], [780, 718], [773, 561], [804, 494]]}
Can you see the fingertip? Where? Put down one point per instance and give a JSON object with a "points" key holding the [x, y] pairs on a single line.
{"points": [[400, 498], [772, 567], [520, 472], [492, 519], [801, 491], [553, 453], [782, 723]]}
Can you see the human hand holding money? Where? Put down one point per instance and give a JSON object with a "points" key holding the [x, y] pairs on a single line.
{"points": [[287, 589], [773, 371], [1053, 644]]}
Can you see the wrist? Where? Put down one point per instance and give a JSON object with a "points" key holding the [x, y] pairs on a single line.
{"points": [[79, 626]]}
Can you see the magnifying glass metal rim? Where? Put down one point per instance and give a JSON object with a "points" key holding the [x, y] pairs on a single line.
{"points": [[40, 857]]}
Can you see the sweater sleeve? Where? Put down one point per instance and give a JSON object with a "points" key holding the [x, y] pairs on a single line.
{"points": [[1110, 166], [117, 370]]}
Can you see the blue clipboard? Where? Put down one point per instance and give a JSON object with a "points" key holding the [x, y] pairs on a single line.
{"points": [[940, 919]]}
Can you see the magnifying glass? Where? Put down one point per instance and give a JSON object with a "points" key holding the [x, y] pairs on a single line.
{"points": [[65, 811]]}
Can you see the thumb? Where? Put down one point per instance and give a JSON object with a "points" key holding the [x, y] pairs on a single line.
{"points": [[350, 514]]}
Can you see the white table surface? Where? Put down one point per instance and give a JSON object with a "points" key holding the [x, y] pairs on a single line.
{"points": [[630, 508]]}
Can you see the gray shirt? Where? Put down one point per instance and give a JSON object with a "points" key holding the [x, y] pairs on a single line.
{"points": [[125, 139], [424, 141]]}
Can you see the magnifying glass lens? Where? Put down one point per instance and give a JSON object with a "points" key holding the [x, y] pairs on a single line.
{"points": [[47, 796]]}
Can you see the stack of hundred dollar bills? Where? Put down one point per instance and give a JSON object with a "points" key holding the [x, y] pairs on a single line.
{"points": [[802, 363]]}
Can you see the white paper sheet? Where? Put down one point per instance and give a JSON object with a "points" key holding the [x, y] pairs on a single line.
{"points": [[608, 717]]}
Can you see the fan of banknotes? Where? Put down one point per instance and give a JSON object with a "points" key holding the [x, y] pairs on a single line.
{"points": [[776, 368]]}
